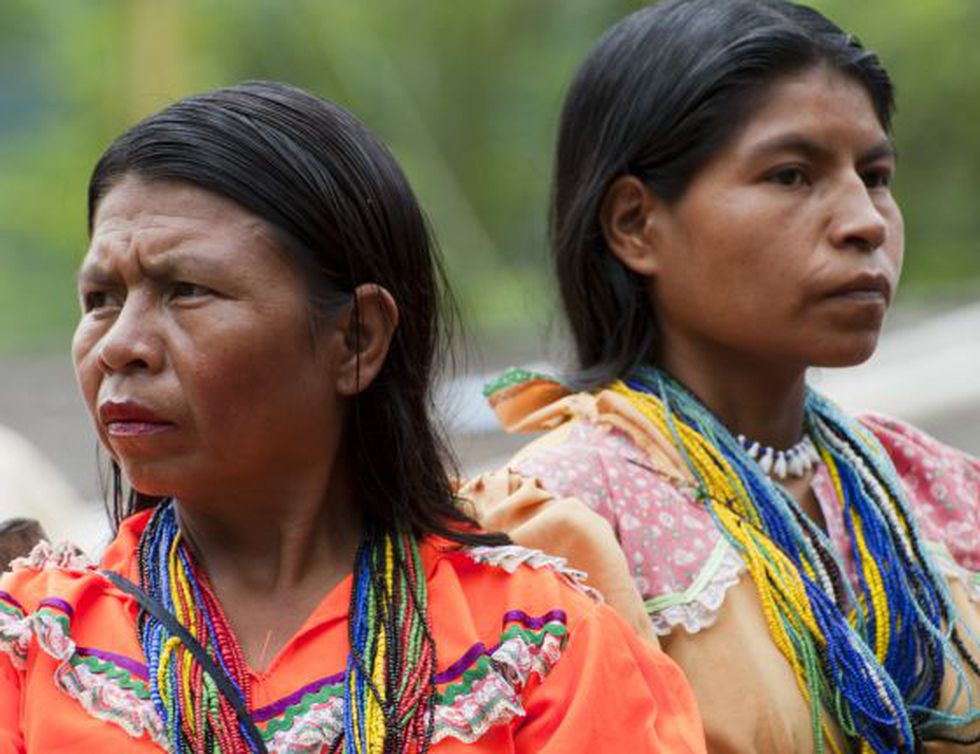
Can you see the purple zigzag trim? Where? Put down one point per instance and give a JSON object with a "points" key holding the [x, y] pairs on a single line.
{"points": [[451, 673], [59, 604], [519, 616], [8, 597], [135, 668], [459, 667], [479, 649], [277, 708]]}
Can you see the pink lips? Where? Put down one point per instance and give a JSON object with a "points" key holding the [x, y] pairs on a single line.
{"points": [[130, 419], [870, 287]]}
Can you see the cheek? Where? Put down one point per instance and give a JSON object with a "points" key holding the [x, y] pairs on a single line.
{"points": [[725, 235], [88, 374], [718, 262], [221, 379], [896, 250], [250, 382], [85, 360], [265, 408]]}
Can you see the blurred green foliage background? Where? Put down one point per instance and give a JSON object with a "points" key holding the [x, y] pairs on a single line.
{"points": [[467, 95]]}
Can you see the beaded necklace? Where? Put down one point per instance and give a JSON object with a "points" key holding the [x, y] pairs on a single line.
{"points": [[795, 462], [389, 679], [874, 660]]}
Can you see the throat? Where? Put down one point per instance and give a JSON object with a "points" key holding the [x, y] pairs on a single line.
{"points": [[801, 490], [265, 622], [266, 627], [751, 397]]}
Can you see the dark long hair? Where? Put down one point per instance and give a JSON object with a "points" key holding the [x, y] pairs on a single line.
{"points": [[662, 92], [345, 214]]}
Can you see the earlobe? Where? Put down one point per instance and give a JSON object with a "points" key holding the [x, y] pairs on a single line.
{"points": [[366, 330], [628, 218]]}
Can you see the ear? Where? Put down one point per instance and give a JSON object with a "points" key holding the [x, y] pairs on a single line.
{"points": [[366, 331], [629, 216]]}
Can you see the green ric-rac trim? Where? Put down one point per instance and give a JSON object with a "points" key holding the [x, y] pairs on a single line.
{"points": [[115, 673], [58, 616], [484, 666], [514, 376], [480, 670], [940, 551], [481, 716], [285, 722], [10, 610], [711, 566]]}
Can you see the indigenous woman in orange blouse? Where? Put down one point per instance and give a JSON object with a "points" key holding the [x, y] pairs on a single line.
{"points": [[291, 572], [722, 221]]}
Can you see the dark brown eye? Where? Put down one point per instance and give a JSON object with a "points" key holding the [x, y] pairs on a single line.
{"points": [[94, 300], [184, 289], [789, 176], [879, 178]]}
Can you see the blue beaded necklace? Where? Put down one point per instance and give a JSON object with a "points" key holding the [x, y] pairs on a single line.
{"points": [[874, 659]]}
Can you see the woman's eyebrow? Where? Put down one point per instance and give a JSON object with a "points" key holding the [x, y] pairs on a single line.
{"points": [[95, 274], [815, 151], [176, 260], [885, 150], [160, 266], [790, 142]]}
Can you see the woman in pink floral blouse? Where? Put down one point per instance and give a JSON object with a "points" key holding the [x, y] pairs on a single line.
{"points": [[722, 221]]}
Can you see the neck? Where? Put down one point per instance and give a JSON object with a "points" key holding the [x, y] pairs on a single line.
{"points": [[758, 399], [277, 538]]}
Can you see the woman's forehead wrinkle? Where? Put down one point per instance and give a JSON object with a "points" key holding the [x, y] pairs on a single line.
{"points": [[146, 235], [107, 242], [118, 247]]}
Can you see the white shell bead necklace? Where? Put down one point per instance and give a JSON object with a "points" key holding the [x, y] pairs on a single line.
{"points": [[794, 462]]}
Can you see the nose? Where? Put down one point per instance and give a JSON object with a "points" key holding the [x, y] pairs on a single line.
{"points": [[858, 222], [131, 343]]}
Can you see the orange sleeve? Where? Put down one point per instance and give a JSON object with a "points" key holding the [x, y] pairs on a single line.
{"points": [[627, 696], [11, 741]]}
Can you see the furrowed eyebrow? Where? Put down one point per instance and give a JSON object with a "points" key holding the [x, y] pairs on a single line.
{"points": [[95, 274], [174, 262], [164, 266]]}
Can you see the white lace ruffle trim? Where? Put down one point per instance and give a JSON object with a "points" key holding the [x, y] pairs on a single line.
{"points": [[953, 570], [509, 557], [483, 699], [63, 555], [697, 607], [102, 696]]}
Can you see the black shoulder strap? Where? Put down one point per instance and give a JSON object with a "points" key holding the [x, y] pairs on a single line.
{"points": [[219, 677]]}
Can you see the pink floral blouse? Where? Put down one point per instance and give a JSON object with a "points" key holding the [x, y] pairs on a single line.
{"points": [[680, 562]]}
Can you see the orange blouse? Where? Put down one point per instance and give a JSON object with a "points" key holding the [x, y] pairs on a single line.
{"points": [[527, 662]]}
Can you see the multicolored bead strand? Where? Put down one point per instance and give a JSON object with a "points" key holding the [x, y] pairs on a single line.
{"points": [[873, 661], [199, 718], [389, 683], [389, 680]]}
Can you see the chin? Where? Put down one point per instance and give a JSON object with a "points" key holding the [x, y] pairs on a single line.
{"points": [[150, 481], [849, 351]]}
